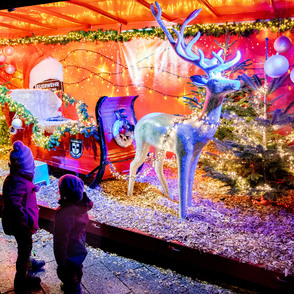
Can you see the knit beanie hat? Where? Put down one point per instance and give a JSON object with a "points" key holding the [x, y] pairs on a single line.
{"points": [[71, 188], [21, 158]]}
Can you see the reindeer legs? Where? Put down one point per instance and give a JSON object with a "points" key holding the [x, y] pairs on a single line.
{"points": [[159, 170], [192, 171], [183, 169], [141, 154]]}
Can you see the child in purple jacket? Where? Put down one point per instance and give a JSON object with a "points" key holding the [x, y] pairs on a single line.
{"points": [[69, 232], [20, 213]]}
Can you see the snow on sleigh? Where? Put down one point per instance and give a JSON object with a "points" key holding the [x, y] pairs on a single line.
{"points": [[97, 150]]}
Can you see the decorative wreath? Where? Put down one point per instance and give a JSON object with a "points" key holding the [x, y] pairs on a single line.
{"points": [[122, 129], [85, 126]]}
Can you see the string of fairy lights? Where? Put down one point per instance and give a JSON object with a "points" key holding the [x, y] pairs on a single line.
{"points": [[217, 30], [91, 73], [122, 72], [280, 25], [103, 56]]}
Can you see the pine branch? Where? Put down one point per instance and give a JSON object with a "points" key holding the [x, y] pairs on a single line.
{"points": [[241, 66], [193, 103], [221, 146], [276, 99], [288, 107], [212, 173], [257, 81], [276, 83], [263, 122], [249, 82]]}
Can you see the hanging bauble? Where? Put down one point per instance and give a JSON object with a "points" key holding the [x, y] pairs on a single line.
{"points": [[8, 51], [282, 44], [2, 57], [292, 75], [16, 123], [276, 66], [10, 69]]}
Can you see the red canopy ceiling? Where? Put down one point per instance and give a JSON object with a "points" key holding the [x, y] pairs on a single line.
{"points": [[55, 18]]}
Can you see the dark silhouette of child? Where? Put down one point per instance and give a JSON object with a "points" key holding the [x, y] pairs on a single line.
{"points": [[70, 233], [20, 213]]}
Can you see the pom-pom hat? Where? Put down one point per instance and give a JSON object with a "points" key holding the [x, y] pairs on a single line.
{"points": [[71, 188], [21, 158]]}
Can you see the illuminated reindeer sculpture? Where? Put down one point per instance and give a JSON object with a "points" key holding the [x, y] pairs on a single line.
{"points": [[185, 136]]}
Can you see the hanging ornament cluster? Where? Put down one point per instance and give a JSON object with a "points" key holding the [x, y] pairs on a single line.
{"points": [[2, 57], [7, 51], [292, 75], [277, 65], [10, 69], [282, 44], [16, 124]]}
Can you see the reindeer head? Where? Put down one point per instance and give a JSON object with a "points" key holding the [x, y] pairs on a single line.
{"points": [[216, 86], [213, 67]]}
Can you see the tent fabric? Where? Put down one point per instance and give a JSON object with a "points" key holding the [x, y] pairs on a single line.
{"points": [[55, 18]]}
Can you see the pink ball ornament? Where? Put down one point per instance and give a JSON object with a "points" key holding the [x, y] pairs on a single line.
{"points": [[282, 44], [8, 51], [292, 75], [10, 69], [2, 57], [276, 66]]}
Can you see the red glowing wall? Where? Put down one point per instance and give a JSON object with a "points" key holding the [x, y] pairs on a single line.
{"points": [[148, 68]]}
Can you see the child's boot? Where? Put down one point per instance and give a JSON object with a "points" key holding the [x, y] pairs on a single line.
{"points": [[26, 281], [36, 265]]}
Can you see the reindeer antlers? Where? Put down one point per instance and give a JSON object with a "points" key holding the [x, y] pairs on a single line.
{"points": [[157, 16], [211, 66]]}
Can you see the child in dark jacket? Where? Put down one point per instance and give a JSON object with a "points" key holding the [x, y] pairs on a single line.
{"points": [[70, 233], [20, 213]]}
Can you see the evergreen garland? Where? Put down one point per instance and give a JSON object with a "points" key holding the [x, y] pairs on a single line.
{"points": [[216, 30]]}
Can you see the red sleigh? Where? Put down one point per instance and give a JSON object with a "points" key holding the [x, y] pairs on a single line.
{"points": [[98, 156]]}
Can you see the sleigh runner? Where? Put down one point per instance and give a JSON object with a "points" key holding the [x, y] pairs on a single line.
{"points": [[95, 149]]}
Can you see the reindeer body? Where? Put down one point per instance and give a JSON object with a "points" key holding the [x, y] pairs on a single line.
{"points": [[186, 137], [151, 129]]}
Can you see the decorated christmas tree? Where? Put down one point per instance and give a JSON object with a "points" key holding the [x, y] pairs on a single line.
{"points": [[249, 154]]}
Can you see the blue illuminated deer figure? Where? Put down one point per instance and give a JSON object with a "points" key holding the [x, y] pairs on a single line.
{"points": [[185, 136]]}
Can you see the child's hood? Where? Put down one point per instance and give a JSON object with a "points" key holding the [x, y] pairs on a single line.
{"points": [[71, 188], [84, 205]]}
